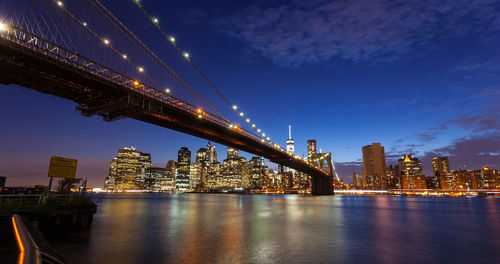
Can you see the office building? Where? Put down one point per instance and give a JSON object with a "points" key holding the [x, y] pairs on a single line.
{"points": [[183, 169], [373, 175]]}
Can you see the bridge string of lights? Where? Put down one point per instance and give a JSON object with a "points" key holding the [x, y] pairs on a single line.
{"points": [[139, 68], [107, 42], [171, 39], [156, 22], [155, 58], [142, 71]]}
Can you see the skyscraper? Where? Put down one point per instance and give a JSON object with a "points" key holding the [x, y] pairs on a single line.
{"points": [[311, 149], [410, 165], [373, 176], [169, 180], [212, 154], [440, 165], [127, 169], [142, 167], [232, 153], [290, 143], [355, 180], [183, 169], [440, 169], [411, 173]]}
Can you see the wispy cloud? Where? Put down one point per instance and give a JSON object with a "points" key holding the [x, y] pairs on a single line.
{"points": [[474, 152], [317, 31]]}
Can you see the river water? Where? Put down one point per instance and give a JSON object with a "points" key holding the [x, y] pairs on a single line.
{"points": [[232, 228]]}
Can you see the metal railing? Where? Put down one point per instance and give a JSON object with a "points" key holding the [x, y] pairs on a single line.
{"points": [[33, 199], [33, 248]]}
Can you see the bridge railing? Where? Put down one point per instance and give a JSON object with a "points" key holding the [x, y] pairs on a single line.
{"points": [[44, 48]]}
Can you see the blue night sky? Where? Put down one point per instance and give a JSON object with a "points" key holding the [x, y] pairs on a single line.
{"points": [[417, 76]]}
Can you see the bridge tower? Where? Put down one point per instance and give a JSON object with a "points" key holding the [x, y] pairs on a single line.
{"points": [[320, 185]]}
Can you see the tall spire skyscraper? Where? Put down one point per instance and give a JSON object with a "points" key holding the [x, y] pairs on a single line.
{"points": [[290, 143]]}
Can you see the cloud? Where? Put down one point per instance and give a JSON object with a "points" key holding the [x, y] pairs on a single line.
{"points": [[474, 151], [485, 121], [303, 32], [428, 136], [477, 68]]}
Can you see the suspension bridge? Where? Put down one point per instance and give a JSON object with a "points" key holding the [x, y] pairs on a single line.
{"points": [[39, 54]]}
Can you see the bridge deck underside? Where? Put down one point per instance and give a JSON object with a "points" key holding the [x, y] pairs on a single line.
{"points": [[98, 96]]}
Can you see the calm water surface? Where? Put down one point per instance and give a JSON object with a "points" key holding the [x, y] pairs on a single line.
{"points": [[217, 228]]}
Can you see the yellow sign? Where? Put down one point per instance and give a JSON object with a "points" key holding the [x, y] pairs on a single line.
{"points": [[62, 167]]}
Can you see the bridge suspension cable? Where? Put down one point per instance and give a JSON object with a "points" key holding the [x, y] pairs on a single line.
{"points": [[155, 58], [106, 42], [140, 69], [171, 39]]}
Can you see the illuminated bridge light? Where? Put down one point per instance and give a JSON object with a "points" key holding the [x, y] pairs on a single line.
{"points": [[172, 39], [248, 120], [124, 56], [231, 126], [241, 114], [136, 83], [59, 3], [84, 24], [155, 20], [263, 134], [186, 55], [3, 27], [258, 130], [106, 41], [253, 125], [235, 107], [198, 110], [199, 116], [167, 90], [140, 69]]}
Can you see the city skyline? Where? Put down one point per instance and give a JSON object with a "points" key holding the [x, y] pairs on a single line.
{"points": [[447, 74], [282, 131]]}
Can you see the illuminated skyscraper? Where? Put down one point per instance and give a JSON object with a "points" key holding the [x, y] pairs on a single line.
{"points": [[143, 165], [410, 165], [212, 154], [311, 149], [169, 181], [232, 153], [356, 183], [411, 173], [183, 169], [440, 169], [127, 169], [373, 167], [440, 165], [290, 143]]}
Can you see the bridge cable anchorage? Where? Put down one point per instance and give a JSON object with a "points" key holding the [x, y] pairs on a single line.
{"points": [[107, 43], [155, 58], [171, 39]]}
